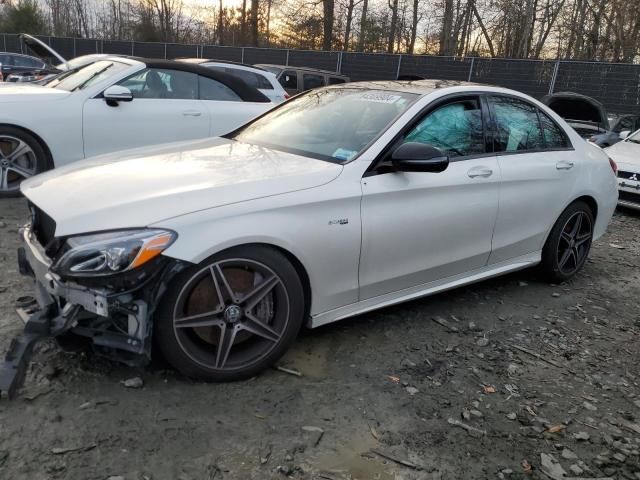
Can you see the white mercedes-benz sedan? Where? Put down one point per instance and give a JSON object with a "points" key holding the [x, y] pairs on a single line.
{"points": [[115, 103], [626, 154], [340, 201]]}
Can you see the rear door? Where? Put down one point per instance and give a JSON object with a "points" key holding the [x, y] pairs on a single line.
{"points": [[165, 108], [538, 170], [422, 227]]}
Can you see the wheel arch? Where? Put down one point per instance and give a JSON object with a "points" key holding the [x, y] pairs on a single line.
{"points": [[38, 138], [586, 198], [590, 201]]}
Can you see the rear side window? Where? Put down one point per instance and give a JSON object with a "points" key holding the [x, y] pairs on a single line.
{"points": [[311, 81], [289, 79], [27, 62], [252, 79], [517, 126], [454, 128], [213, 90], [336, 80], [554, 137]]}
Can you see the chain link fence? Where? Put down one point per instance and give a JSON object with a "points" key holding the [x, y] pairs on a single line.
{"points": [[616, 85]]}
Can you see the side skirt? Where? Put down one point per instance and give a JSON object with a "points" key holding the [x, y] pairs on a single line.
{"points": [[425, 289]]}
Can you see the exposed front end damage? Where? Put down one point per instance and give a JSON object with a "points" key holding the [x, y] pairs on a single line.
{"points": [[112, 312]]}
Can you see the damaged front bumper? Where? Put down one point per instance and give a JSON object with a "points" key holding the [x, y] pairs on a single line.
{"points": [[117, 320]]}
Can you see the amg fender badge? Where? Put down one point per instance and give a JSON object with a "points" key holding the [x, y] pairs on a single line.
{"points": [[339, 221]]}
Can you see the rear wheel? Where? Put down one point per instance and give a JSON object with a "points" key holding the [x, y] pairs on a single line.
{"points": [[569, 242], [231, 316], [21, 157]]}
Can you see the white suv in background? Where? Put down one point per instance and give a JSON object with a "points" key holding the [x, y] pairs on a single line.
{"points": [[256, 77]]}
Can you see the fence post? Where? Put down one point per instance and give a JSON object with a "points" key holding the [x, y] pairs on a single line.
{"points": [[339, 65], [75, 53], [399, 65], [287, 60], [132, 46], [473, 59], [552, 85], [4, 38], [242, 58], [165, 51]]}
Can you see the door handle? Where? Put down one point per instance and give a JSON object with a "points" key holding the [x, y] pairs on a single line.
{"points": [[192, 113], [480, 172], [564, 165]]}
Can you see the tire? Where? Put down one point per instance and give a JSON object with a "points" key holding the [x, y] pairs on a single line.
{"points": [[30, 159], [191, 322], [567, 248]]}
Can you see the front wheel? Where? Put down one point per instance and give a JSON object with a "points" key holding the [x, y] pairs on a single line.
{"points": [[21, 157], [231, 316], [569, 242]]}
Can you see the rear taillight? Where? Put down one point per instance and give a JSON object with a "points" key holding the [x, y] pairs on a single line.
{"points": [[614, 167], [287, 96]]}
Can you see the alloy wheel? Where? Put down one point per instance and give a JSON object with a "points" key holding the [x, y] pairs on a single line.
{"points": [[574, 242], [17, 162], [231, 314]]}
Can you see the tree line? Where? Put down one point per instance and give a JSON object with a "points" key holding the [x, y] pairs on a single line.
{"points": [[568, 29]]}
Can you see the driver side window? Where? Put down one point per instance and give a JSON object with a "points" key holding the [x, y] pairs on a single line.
{"points": [[160, 83], [454, 128]]}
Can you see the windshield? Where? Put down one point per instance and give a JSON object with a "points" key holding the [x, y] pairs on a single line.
{"points": [[78, 62], [333, 124], [86, 76], [635, 138]]}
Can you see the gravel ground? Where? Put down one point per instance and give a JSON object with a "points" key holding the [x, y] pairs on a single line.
{"points": [[509, 378]]}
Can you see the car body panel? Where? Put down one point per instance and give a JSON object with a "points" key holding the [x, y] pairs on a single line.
{"points": [[167, 181], [424, 238]]}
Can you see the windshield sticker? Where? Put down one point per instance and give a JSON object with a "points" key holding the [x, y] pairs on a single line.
{"points": [[343, 154], [380, 97]]}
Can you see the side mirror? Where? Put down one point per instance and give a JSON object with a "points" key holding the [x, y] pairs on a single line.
{"points": [[117, 93], [419, 157], [624, 134]]}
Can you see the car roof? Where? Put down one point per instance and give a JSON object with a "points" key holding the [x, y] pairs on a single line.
{"points": [[246, 92], [306, 69], [200, 61], [420, 87]]}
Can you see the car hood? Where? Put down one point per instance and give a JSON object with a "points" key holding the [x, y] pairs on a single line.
{"points": [[28, 92], [625, 153], [41, 49], [576, 108], [141, 187]]}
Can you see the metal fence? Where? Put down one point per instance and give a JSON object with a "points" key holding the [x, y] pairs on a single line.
{"points": [[616, 85]]}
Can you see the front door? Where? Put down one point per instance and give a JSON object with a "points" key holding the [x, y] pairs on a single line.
{"points": [[165, 108], [419, 228]]}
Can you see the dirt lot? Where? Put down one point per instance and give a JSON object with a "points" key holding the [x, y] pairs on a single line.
{"points": [[491, 381]]}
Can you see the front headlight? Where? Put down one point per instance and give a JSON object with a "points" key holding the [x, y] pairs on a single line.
{"points": [[108, 253]]}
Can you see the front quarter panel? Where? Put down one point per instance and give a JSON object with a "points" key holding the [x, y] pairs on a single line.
{"points": [[319, 226]]}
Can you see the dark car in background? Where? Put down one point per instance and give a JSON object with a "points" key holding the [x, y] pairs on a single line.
{"points": [[623, 123], [18, 65], [584, 114], [300, 79]]}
